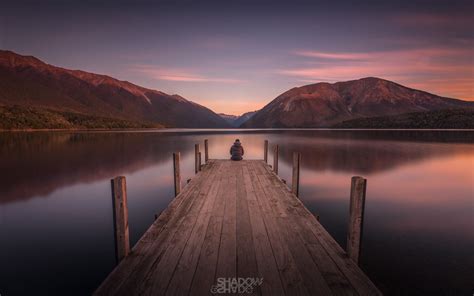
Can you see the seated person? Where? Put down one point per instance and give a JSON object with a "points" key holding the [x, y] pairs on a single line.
{"points": [[237, 151]]}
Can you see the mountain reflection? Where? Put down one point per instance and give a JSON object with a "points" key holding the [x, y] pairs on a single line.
{"points": [[36, 164]]}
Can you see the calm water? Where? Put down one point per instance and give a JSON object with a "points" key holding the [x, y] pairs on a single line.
{"points": [[56, 220]]}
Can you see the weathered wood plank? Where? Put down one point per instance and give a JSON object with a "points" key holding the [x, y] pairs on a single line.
{"points": [[206, 151], [334, 278], [357, 278], [237, 219], [266, 264], [227, 262], [265, 151], [246, 258], [275, 159], [184, 272], [295, 183], [159, 277], [204, 277], [176, 173], [310, 273], [356, 217], [130, 273], [197, 162], [120, 216], [292, 280]]}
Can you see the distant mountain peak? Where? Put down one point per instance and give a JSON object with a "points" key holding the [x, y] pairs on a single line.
{"points": [[325, 104]]}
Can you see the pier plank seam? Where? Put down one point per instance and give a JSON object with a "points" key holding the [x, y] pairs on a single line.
{"points": [[265, 232], [158, 278], [352, 272], [128, 274], [312, 277], [290, 275], [332, 275]]}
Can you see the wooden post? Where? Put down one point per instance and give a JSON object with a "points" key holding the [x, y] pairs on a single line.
{"points": [[199, 161], [196, 158], [356, 218], [206, 151], [275, 159], [265, 151], [177, 173], [120, 215], [295, 183]]}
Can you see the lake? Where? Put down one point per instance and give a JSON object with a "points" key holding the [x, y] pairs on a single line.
{"points": [[56, 232]]}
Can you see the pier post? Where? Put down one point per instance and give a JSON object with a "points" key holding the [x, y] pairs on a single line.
{"points": [[199, 161], [196, 158], [206, 151], [177, 173], [356, 218], [120, 216], [265, 151], [275, 159], [295, 183]]}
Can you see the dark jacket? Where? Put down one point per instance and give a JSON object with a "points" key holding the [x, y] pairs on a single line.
{"points": [[237, 151]]}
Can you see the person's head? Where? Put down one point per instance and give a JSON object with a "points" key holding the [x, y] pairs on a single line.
{"points": [[237, 140]]}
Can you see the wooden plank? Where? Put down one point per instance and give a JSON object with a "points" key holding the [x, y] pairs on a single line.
{"points": [[356, 218], [310, 273], [246, 257], [295, 183], [265, 151], [266, 263], [204, 277], [157, 280], [126, 278], [334, 278], [206, 151], [356, 277], [275, 159], [237, 219], [196, 158], [176, 173], [291, 278], [227, 262], [199, 161], [186, 267], [120, 216]]}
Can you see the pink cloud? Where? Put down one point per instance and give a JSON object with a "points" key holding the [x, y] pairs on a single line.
{"points": [[445, 71], [179, 75]]}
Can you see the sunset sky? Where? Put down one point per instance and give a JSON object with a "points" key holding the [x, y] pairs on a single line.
{"points": [[236, 56]]}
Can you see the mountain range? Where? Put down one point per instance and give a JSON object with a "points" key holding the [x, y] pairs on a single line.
{"points": [[237, 120], [325, 104], [34, 94], [27, 82]]}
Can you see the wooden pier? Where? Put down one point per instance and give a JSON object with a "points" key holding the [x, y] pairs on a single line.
{"points": [[237, 219]]}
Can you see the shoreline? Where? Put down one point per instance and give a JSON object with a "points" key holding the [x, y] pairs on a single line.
{"points": [[186, 129]]}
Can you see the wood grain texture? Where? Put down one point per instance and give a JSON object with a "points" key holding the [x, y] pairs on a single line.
{"points": [[176, 173], [265, 151], [356, 217], [120, 216], [275, 159], [206, 151], [295, 183], [237, 219], [196, 158]]}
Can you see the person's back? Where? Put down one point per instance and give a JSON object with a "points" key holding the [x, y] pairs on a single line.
{"points": [[236, 151]]}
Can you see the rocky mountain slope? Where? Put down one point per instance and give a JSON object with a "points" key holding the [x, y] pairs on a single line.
{"points": [[325, 104], [27, 82]]}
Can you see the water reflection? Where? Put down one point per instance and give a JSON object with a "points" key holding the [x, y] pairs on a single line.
{"points": [[55, 196], [64, 159]]}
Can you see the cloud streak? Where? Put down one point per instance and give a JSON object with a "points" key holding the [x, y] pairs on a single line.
{"points": [[446, 71], [179, 75]]}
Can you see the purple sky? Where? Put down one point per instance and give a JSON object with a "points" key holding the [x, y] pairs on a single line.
{"points": [[237, 56]]}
